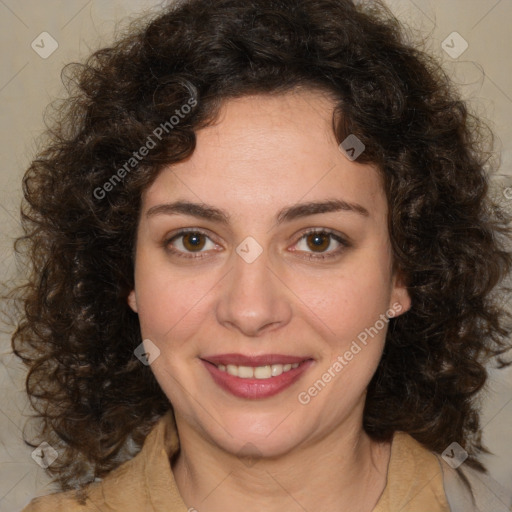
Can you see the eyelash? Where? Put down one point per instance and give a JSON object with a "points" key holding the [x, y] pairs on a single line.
{"points": [[310, 256]]}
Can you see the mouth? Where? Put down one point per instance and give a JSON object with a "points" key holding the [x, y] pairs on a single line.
{"points": [[255, 376], [258, 372]]}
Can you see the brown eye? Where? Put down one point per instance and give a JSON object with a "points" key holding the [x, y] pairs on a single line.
{"points": [[318, 241], [193, 241], [189, 242], [316, 245]]}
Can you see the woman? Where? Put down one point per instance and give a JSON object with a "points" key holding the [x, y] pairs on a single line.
{"points": [[264, 262]]}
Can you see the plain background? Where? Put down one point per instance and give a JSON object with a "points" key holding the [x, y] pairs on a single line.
{"points": [[29, 82]]}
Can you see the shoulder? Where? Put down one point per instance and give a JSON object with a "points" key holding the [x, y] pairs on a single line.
{"points": [[414, 478], [121, 489], [469, 490], [58, 502], [420, 478], [144, 482], [123, 486]]}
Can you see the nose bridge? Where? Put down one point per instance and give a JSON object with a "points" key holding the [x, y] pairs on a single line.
{"points": [[252, 273], [252, 299]]}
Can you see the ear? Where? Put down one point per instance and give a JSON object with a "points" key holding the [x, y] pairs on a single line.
{"points": [[132, 301], [400, 295]]}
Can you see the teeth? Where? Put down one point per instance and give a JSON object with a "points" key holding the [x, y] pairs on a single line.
{"points": [[276, 369], [263, 372], [245, 372], [232, 369], [258, 372]]}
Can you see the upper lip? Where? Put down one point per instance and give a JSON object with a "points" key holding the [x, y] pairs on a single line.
{"points": [[262, 360]]}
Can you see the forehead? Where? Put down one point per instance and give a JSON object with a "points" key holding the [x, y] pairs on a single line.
{"points": [[264, 151]]}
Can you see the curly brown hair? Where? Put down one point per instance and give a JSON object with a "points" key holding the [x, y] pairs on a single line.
{"points": [[94, 401]]}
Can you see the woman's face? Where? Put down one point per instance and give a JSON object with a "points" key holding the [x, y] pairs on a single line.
{"points": [[255, 288]]}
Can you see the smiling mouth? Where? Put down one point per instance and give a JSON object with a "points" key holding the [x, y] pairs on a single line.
{"points": [[257, 372], [256, 377], [263, 366]]}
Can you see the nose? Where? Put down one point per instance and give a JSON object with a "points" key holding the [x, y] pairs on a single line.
{"points": [[253, 298]]}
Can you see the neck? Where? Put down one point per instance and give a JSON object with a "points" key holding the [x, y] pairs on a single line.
{"points": [[345, 470]]}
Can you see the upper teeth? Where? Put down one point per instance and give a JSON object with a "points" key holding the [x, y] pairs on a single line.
{"points": [[259, 372]]}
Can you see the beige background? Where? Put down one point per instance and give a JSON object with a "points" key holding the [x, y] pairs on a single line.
{"points": [[28, 82]]}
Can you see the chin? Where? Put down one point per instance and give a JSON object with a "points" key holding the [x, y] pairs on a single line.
{"points": [[254, 436]]}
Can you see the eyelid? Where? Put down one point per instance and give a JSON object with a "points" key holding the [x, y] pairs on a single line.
{"points": [[327, 231]]}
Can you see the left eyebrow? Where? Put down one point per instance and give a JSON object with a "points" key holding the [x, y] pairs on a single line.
{"points": [[305, 209], [287, 214]]}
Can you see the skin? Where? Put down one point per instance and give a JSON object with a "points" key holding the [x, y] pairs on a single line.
{"points": [[265, 153]]}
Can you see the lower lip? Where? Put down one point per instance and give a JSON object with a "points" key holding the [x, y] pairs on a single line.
{"points": [[256, 388]]}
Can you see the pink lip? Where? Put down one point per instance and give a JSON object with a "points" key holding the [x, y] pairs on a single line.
{"points": [[256, 388]]}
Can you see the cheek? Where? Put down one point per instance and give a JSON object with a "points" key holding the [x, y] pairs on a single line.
{"points": [[169, 304], [346, 302], [346, 312]]}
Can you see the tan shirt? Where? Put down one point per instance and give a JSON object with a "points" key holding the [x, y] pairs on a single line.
{"points": [[146, 482]]}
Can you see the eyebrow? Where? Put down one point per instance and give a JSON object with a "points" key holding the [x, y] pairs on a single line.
{"points": [[287, 214]]}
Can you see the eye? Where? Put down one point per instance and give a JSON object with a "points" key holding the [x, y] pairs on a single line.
{"points": [[319, 240], [189, 241]]}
